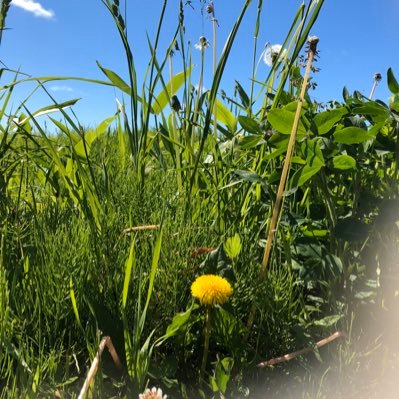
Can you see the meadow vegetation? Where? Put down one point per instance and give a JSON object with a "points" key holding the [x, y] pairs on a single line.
{"points": [[104, 230]]}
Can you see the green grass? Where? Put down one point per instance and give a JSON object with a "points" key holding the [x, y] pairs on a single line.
{"points": [[73, 270]]}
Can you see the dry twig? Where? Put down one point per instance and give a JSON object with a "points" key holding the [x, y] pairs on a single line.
{"points": [[293, 355], [140, 228], [272, 228], [105, 342]]}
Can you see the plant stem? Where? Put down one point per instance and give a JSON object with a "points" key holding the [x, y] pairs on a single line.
{"points": [[256, 34], [207, 331], [5, 6], [174, 130], [214, 23], [377, 78], [284, 174], [197, 100]]}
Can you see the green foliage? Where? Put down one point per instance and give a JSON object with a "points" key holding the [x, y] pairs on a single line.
{"points": [[282, 119], [79, 247]]}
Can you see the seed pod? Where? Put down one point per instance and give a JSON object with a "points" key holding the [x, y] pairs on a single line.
{"points": [[175, 104], [115, 10], [210, 8], [121, 22]]}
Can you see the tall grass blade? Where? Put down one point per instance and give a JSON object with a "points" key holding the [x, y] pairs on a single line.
{"points": [[129, 266], [74, 304], [215, 87], [154, 267]]}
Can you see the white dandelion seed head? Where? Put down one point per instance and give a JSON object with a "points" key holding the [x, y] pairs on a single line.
{"points": [[272, 52], [202, 44]]}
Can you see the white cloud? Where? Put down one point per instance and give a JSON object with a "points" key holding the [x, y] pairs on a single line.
{"points": [[34, 7], [61, 88]]}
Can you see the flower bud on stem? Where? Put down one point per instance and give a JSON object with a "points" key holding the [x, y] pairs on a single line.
{"points": [[377, 79]]}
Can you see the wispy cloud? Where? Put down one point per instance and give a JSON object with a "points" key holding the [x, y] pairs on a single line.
{"points": [[61, 88], [34, 7]]}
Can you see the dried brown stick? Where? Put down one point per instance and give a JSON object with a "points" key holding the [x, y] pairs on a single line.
{"points": [[312, 42], [105, 342], [140, 228], [284, 174], [295, 354]]}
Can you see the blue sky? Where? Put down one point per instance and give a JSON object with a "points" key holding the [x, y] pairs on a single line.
{"points": [[66, 37]]}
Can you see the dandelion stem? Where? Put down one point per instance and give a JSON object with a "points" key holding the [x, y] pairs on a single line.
{"points": [[214, 23], [377, 78], [207, 331]]}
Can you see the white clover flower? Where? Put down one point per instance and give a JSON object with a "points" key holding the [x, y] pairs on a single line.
{"points": [[152, 393], [271, 53], [203, 43]]}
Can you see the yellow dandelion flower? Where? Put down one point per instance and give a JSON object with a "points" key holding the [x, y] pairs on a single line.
{"points": [[211, 289]]}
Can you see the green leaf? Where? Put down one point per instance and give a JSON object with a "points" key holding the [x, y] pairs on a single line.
{"points": [[313, 153], [154, 267], [324, 121], [276, 153], [243, 96], [249, 142], [179, 324], [115, 79], [248, 176], [26, 264], [328, 321], [55, 107], [344, 162], [73, 300], [394, 102], [345, 94], [71, 135], [232, 246], [352, 135], [129, 265], [23, 119], [180, 320], [393, 84], [225, 116], [162, 100], [309, 231], [304, 174], [91, 135], [298, 160], [250, 125], [373, 109], [282, 120], [222, 374]]}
